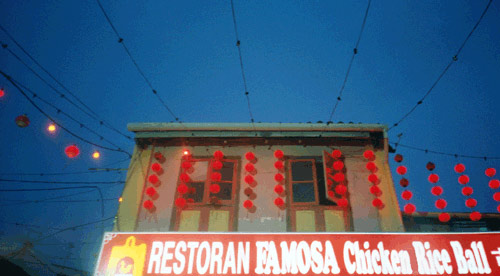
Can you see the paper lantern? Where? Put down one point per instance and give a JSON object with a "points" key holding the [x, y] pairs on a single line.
{"points": [[444, 217], [182, 189], [467, 191], [250, 156], [496, 196], [2, 93], [249, 167], [341, 189], [406, 195], [331, 194], [490, 172], [187, 165], [278, 154], [375, 190], [342, 202], [339, 177], [217, 165], [459, 168], [185, 177], [156, 167], [279, 202], [192, 190], [471, 203], [278, 165], [475, 216], [329, 182], [437, 190], [498, 208], [214, 188], [180, 202], [338, 165], [433, 178], [247, 204], [377, 202], [373, 178], [430, 166], [248, 191], [158, 156], [398, 158], [369, 155], [151, 191], [401, 170], [336, 154], [148, 204], [404, 182], [216, 176], [218, 155], [153, 179], [22, 121], [494, 183], [410, 208], [278, 189], [371, 166], [463, 179], [249, 179], [441, 203], [72, 151], [279, 177]]}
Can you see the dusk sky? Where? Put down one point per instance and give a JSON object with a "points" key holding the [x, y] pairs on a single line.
{"points": [[295, 56]]}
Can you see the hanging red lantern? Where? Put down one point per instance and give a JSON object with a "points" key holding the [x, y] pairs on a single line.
{"points": [[182, 189], [153, 179], [279, 202], [467, 191], [217, 165], [278, 154], [247, 204], [180, 202], [185, 177], [496, 196], [156, 167], [441, 203], [2, 93], [475, 216], [410, 208], [341, 189], [404, 182], [278, 165], [278, 189], [377, 202], [336, 154], [216, 176], [329, 182], [371, 166], [406, 195], [494, 183], [375, 190], [250, 156], [342, 202], [463, 179], [249, 167], [148, 205], [437, 190], [401, 170], [338, 165], [459, 168], [192, 190], [331, 194], [339, 177], [498, 208], [433, 178], [490, 172], [279, 177], [22, 121], [214, 188], [471, 203], [72, 151], [373, 178], [158, 156], [249, 179], [430, 166], [369, 155], [218, 155], [151, 191], [444, 217], [248, 191], [398, 158], [187, 165]]}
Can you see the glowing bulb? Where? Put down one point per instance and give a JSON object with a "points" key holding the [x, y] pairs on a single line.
{"points": [[96, 155], [120, 199], [51, 128], [185, 152]]}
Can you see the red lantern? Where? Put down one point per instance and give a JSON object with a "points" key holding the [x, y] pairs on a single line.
{"points": [[490, 172], [459, 168], [444, 217], [151, 191], [463, 179], [494, 183], [2, 92], [278, 165], [441, 203], [401, 170], [430, 166], [467, 191], [185, 177], [369, 155], [437, 190], [216, 176], [329, 182], [249, 167], [398, 158], [249, 179], [338, 165], [158, 156], [180, 202], [498, 208], [278, 154], [214, 188], [250, 156], [341, 189], [496, 196], [342, 202], [433, 178], [279, 202], [156, 167], [279, 177], [404, 182], [331, 194], [23, 121], [72, 151], [187, 165], [248, 191], [373, 178], [247, 204], [153, 179], [217, 165], [471, 203], [475, 216], [148, 204], [406, 195], [371, 166], [218, 155], [278, 189], [410, 208], [377, 202], [336, 154], [339, 177], [191, 190], [375, 190], [182, 189]]}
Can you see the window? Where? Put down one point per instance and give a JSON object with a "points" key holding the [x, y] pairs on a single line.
{"points": [[310, 208], [207, 211]]}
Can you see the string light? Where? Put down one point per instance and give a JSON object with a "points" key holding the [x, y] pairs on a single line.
{"points": [[96, 155], [51, 128]]}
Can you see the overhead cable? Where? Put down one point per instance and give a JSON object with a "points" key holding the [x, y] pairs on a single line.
{"points": [[71, 228], [456, 155], [60, 182]]}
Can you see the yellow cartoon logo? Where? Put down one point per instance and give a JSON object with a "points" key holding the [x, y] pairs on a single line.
{"points": [[127, 259]]}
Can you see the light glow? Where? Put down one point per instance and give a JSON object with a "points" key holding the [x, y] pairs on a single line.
{"points": [[96, 155], [51, 128]]}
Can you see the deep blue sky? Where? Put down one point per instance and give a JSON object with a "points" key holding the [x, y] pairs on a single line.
{"points": [[295, 53]]}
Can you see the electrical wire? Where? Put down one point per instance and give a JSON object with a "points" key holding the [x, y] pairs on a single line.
{"points": [[62, 173], [59, 182], [456, 155], [59, 201], [71, 228], [452, 61]]}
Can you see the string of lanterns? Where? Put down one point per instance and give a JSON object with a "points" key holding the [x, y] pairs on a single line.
{"points": [[279, 166], [493, 184], [250, 181], [437, 190], [154, 180], [336, 182], [373, 178], [409, 208], [467, 191]]}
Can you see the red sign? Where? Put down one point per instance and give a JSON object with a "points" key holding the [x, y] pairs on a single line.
{"points": [[142, 254]]}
